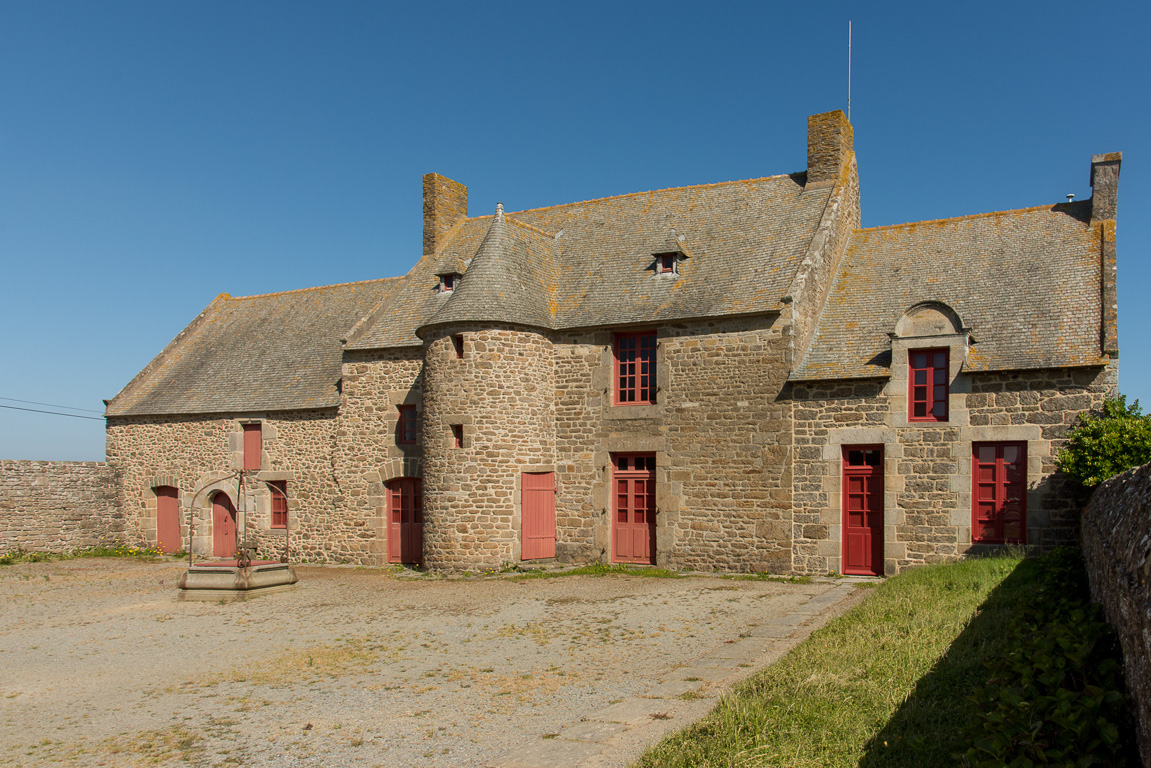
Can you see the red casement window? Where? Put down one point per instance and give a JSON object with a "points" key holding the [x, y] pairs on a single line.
{"points": [[666, 262], [927, 387], [458, 343], [279, 489], [449, 283], [253, 446], [458, 435], [999, 492], [635, 368], [407, 427]]}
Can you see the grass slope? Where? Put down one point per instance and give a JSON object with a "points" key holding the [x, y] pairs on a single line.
{"points": [[865, 689]]}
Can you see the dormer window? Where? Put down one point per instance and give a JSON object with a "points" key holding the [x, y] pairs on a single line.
{"points": [[667, 263], [448, 282]]}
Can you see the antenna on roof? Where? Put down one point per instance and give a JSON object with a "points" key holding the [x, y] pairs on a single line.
{"points": [[849, 70]]}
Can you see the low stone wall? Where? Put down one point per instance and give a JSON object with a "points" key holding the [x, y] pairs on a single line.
{"points": [[56, 506], [1116, 540]]}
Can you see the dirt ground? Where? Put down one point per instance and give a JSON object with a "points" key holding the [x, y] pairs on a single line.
{"points": [[101, 664]]}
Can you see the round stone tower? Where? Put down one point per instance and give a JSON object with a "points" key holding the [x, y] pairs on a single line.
{"points": [[489, 408]]}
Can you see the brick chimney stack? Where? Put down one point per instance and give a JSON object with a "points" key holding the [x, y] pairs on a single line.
{"points": [[445, 205], [829, 143], [1105, 185]]}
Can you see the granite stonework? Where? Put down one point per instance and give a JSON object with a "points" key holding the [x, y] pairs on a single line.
{"points": [[58, 506], [782, 334], [1116, 543], [927, 465]]}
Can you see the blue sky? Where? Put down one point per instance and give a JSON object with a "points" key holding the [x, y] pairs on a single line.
{"points": [[153, 155]]}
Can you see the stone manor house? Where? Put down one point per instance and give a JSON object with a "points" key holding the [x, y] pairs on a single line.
{"points": [[732, 376]]}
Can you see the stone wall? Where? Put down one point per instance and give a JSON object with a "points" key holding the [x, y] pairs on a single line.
{"points": [[501, 393], [720, 436], [199, 455], [1116, 541], [57, 506], [927, 465]]}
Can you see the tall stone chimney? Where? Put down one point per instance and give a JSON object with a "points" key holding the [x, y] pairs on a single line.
{"points": [[1105, 185], [829, 143], [445, 204]]}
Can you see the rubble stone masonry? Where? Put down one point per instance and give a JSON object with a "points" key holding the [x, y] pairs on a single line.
{"points": [[927, 465], [1116, 545], [57, 506]]}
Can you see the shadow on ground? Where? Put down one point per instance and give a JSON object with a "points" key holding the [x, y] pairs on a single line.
{"points": [[927, 728]]}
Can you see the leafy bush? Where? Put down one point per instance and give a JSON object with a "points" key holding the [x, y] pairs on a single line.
{"points": [[1106, 443], [1057, 697]]}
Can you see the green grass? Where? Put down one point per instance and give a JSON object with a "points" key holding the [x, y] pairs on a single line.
{"points": [[602, 569], [884, 685], [119, 550]]}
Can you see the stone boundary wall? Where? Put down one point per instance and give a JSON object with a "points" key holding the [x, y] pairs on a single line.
{"points": [[56, 506], [1116, 541]]}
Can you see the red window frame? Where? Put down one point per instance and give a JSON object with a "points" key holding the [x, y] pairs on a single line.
{"points": [[407, 425], [449, 283], [458, 435], [279, 490], [999, 492], [666, 262], [458, 344], [928, 375], [253, 446], [635, 366]]}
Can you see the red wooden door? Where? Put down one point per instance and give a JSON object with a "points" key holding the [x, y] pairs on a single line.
{"points": [[223, 526], [633, 518], [538, 507], [863, 509], [406, 521], [999, 477], [167, 519]]}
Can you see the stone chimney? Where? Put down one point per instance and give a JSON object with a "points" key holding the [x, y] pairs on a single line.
{"points": [[1105, 185], [445, 205], [829, 143]]}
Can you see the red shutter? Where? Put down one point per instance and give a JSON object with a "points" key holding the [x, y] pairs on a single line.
{"points": [[167, 519], [538, 507], [253, 445], [999, 492]]}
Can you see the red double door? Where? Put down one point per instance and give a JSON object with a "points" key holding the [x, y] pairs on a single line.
{"points": [[863, 509], [405, 521], [999, 477], [633, 514], [223, 526]]}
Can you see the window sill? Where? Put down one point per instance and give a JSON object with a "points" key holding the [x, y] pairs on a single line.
{"points": [[648, 411]]}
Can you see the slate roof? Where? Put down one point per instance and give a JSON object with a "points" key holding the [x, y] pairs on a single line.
{"points": [[1026, 282], [277, 351], [591, 263]]}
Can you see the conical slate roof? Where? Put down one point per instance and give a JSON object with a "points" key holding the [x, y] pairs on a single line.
{"points": [[507, 281]]}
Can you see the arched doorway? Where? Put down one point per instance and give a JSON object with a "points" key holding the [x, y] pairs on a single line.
{"points": [[167, 518], [223, 526], [405, 521]]}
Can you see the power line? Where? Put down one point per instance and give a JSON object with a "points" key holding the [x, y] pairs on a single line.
{"points": [[50, 405], [54, 413]]}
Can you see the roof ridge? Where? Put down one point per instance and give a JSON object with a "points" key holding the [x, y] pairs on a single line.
{"points": [[1030, 209], [316, 288], [635, 194]]}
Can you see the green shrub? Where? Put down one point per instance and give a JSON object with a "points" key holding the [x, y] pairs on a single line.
{"points": [[1107, 442], [1057, 698]]}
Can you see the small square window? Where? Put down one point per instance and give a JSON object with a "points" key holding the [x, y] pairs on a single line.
{"points": [[448, 283], [667, 262], [458, 435], [407, 427]]}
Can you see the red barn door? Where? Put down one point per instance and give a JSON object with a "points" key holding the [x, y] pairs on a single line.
{"points": [[223, 526], [167, 519], [633, 514], [538, 507], [405, 521], [863, 509]]}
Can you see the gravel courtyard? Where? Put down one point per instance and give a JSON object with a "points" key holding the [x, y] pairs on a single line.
{"points": [[101, 664]]}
